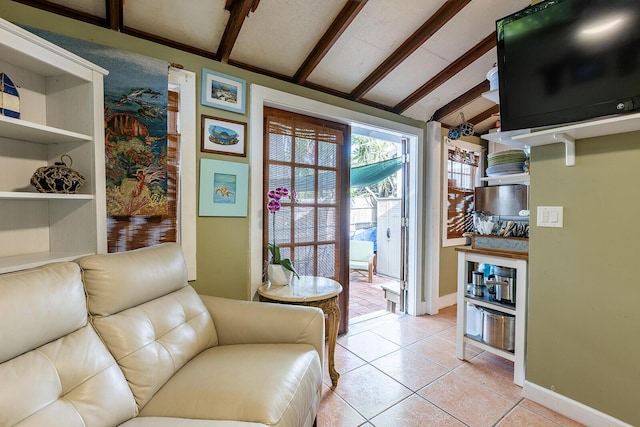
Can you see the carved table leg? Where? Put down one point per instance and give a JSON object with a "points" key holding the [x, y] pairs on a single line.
{"points": [[333, 321]]}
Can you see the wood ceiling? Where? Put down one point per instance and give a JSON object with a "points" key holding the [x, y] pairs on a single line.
{"points": [[425, 59]]}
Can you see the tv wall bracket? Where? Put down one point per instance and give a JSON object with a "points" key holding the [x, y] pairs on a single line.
{"points": [[569, 147]]}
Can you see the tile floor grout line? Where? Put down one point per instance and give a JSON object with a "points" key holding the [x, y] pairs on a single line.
{"points": [[489, 374], [412, 392], [504, 416]]}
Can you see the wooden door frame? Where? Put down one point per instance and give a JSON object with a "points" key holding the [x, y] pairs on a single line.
{"points": [[342, 204], [345, 205]]}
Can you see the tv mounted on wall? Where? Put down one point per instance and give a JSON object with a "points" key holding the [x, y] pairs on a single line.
{"points": [[563, 61]]}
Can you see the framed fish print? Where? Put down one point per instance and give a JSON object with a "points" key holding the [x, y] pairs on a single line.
{"points": [[223, 91], [222, 136], [224, 188]]}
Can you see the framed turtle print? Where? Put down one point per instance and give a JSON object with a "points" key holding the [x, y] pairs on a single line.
{"points": [[222, 136], [224, 188]]}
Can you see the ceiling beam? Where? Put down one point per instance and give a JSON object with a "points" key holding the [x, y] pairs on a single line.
{"points": [[470, 95], [485, 115], [239, 10], [455, 67], [168, 42], [417, 39], [65, 11], [335, 30], [115, 15]]}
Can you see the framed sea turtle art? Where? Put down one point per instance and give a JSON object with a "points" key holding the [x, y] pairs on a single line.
{"points": [[224, 188], [222, 136]]}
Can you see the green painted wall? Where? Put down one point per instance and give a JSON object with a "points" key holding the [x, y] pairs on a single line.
{"points": [[223, 243], [583, 315], [584, 291]]}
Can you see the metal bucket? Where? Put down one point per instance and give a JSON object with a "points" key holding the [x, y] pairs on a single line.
{"points": [[498, 329]]}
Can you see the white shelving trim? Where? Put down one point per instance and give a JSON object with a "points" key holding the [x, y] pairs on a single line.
{"points": [[517, 178], [567, 134], [601, 127], [25, 195], [502, 353], [511, 311], [507, 137], [56, 85], [520, 311], [23, 130]]}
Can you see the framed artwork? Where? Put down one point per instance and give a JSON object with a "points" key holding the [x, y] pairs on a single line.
{"points": [[224, 188], [222, 136], [223, 91]]}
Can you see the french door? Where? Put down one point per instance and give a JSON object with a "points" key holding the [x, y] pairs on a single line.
{"points": [[309, 157], [404, 226]]}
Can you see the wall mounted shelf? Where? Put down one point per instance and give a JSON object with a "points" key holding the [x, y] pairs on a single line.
{"points": [[517, 178], [591, 129], [507, 137], [568, 134]]}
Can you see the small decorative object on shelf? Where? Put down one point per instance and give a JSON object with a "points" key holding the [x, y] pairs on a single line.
{"points": [[465, 128], [279, 271], [58, 178], [9, 98]]}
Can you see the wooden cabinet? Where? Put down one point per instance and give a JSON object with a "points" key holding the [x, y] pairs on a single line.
{"points": [[61, 107], [467, 260]]}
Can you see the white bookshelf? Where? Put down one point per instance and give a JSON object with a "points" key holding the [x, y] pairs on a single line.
{"points": [[61, 108]]}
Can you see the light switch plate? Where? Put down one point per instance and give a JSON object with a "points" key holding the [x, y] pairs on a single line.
{"points": [[550, 216]]}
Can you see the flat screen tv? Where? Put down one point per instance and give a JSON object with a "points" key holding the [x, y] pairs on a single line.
{"points": [[563, 61]]}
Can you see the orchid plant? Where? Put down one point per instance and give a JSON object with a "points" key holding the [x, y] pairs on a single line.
{"points": [[275, 197]]}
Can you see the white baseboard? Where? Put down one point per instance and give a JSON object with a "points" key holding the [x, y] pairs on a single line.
{"points": [[569, 408], [447, 301]]}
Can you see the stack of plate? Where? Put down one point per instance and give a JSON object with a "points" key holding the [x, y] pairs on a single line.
{"points": [[506, 162]]}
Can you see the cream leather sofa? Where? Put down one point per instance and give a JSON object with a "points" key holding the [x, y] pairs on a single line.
{"points": [[122, 339]]}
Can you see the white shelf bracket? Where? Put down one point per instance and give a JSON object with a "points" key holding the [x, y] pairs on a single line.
{"points": [[569, 146]]}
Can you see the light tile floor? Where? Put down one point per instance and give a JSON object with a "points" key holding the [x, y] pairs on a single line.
{"points": [[401, 371]]}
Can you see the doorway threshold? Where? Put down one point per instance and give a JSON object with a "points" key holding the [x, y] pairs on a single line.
{"points": [[368, 316]]}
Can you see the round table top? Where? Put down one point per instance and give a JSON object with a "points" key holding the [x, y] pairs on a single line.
{"points": [[306, 288]]}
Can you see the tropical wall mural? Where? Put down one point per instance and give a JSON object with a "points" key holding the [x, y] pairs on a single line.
{"points": [[141, 158]]}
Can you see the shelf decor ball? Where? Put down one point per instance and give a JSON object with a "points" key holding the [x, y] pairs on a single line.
{"points": [[58, 178], [466, 129], [454, 133], [9, 98]]}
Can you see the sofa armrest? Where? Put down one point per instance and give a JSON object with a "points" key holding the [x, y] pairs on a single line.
{"points": [[249, 322]]}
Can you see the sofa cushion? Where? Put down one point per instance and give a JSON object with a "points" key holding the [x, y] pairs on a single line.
{"points": [[41, 305], [151, 320], [153, 340], [185, 422], [117, 281], [63, 375], [272, 384]]}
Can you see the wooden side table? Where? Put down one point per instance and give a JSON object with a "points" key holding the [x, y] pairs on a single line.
{"points": [[311, 291]]}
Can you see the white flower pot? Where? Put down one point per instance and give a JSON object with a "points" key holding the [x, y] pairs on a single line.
{"points": [[278, 275]]}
